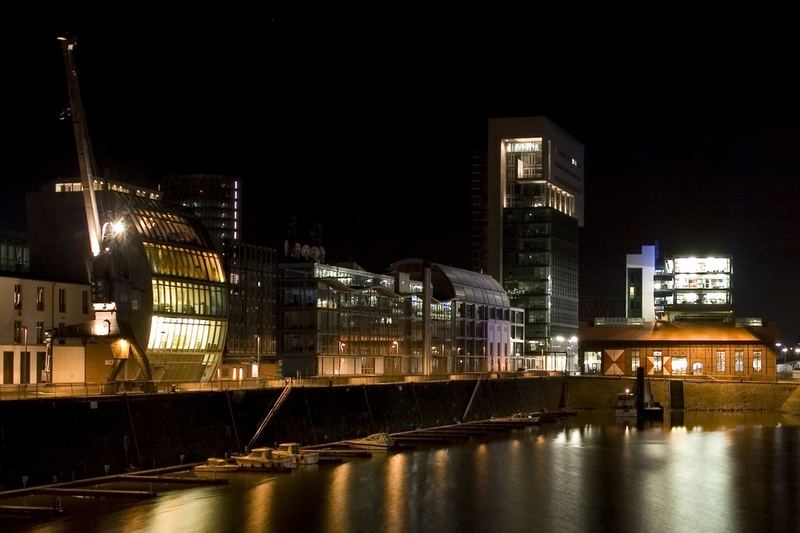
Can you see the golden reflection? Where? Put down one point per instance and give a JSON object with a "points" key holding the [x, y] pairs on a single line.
{"points": [[482, 472], [685, 455], [133, 520], [440, 460], [186, 510], [337, 513], [257, 508], [394, 500]]}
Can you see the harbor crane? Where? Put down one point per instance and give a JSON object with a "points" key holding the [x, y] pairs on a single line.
{"points": [[100, 266]]}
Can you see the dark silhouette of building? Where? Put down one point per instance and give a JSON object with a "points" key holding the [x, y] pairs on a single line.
{"points": [[251, 269]]}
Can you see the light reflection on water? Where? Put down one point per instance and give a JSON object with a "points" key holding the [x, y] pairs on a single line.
{"points": [[706, 472]]}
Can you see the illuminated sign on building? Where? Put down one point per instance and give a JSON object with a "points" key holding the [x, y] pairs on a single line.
{"points": [[516, 147]]}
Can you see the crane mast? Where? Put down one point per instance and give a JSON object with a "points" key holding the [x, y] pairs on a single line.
{"points": [[101, 267], [85, 159]]}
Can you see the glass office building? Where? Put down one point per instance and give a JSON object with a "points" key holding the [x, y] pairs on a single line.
{"points": [[335, 320], [162, 272], [534, 209]]}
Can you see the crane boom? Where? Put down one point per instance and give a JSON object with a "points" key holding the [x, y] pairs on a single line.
{"points": [[83, 145]]}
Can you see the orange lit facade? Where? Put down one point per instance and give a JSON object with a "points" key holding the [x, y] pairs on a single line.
{"points": [[679, 349]]}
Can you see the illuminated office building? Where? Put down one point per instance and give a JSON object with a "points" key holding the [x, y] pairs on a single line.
{"points": [[534, 206], [215, 199], [163, 273], [346, 321], [252, 279], [700, 287], [678, 288]]}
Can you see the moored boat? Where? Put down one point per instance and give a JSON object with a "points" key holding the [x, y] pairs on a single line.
{"points": [[217, 464], [376, 441], [291, 450], [263, 459], [626, 405]]}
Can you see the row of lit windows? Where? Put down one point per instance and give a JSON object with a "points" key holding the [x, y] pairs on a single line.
{"points": [[62, 299], [524, 166], [21, 333], [708, 298], [188, 298], [702, 281], [350, 277], [14, 256], [679, 363], [184, 262], [186, 334], [160, 227], [697, 265]]}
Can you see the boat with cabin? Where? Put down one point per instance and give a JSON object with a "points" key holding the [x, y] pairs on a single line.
{"points": [[217, 464], [376, 441], [264, 459], [626, 405], [291, 450]]}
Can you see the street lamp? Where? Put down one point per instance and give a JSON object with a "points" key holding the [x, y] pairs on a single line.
{"points": [[258, 355], [24, 330]]}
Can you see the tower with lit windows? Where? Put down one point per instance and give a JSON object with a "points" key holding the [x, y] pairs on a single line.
{"points": [[534, 206], [213, 198], [251, 268]]}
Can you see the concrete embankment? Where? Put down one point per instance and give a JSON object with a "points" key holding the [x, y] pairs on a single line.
{"points": [[71, 438], [589, 392]]}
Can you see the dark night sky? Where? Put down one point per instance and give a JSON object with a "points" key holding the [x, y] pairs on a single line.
{"points": [[691, 131]]}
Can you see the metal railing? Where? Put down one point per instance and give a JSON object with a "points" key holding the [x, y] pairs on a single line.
{"points": [[34, 391]]}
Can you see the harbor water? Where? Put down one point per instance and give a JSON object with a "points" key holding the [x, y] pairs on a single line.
{"points": [[693, 472]]}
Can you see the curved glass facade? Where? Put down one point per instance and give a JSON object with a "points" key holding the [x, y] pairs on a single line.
{"points": [[188, 322], [187, 298], [184, 262], [160, 268]]}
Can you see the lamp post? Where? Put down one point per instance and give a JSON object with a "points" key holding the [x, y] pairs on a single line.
{"points": [[258, 356], [24, 330]]}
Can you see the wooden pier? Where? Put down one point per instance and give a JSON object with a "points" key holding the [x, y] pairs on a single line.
{"points": [[30, 510], [480, 428], [96, 488]]}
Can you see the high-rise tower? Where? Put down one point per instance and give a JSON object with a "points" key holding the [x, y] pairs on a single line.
{"points": [[534, 207]]}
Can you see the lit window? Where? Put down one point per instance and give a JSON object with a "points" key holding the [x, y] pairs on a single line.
{"points": [[738, 361], [635, 363], [756, 361], [17, 297], [720, 361], [679, 364], [658, 361]]}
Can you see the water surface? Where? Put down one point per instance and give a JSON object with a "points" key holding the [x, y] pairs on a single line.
{"points": [[706, 472]]}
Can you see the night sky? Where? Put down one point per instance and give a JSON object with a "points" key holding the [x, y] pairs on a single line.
{"points": [[691, 131]]}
